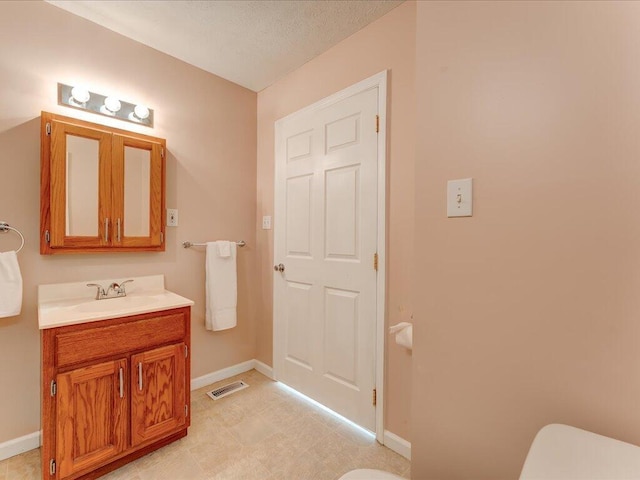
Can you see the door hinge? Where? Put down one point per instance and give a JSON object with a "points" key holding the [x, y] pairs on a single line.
{"points": [[186, 352], [186, 411], [54, 388], [377, 123], [375, 261], [48, 128], [52, 467], [374, 397], [161, 238], [47, 237], [162, 152]]}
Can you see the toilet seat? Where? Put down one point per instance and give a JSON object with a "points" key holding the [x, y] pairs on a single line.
{"points": [[368, 474]]}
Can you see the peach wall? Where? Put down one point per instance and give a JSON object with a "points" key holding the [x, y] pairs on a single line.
{"points": [[388, 43], [210, 127], [528, 312]]}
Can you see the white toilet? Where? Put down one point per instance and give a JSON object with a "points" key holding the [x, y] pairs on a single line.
{"points": [[367, 474]]}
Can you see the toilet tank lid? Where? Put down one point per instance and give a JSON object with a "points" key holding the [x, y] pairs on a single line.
{"points": [[562, 451]]}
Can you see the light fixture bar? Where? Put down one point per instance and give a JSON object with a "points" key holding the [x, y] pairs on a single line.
{"points": [[107, 105]]}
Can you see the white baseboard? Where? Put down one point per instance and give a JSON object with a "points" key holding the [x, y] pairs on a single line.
{"points": [[225, 373], [397, 444], [264, 369], [19, 445], [218, 375]]}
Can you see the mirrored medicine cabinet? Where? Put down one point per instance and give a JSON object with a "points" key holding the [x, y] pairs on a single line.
{"points": [[102, 189]]}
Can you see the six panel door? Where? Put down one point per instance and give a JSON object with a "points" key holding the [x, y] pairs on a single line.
{"points": [[326, 236]]}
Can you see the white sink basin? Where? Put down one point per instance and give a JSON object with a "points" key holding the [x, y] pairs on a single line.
{"points": [[115, 304], [71, 303]]}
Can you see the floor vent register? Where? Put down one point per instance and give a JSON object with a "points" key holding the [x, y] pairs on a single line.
{"points": [[228, 389]]}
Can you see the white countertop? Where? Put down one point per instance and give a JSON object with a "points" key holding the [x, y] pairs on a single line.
{"points": [[63, 304]]}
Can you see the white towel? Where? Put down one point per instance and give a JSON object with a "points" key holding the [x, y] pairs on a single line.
{"points": [[10, 285], [221, 287], [224, 248]]}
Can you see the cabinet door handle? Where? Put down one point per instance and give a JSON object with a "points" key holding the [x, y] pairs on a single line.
{"points": [[118, 229], [140, 376], [121, 375], [106, 230]]}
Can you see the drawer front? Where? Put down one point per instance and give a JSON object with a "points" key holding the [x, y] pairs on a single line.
{"points": [[99, 342]]}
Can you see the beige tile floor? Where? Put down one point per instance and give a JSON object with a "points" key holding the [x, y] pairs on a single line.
{"points": [[263, 432]]}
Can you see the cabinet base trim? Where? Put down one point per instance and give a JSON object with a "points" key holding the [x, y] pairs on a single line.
{"points": [[19, 445], [133, 456]]}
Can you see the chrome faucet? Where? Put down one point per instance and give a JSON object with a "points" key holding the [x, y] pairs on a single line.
{"points": [[100, 293], [118, 290]]}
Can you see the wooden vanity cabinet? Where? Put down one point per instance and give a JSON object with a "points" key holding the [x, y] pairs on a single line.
{"points": [[113, 391], [101, 190]]}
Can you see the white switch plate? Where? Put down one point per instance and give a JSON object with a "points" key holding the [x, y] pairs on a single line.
{"points": [[460, 198], [266, 222], [172, 217]]}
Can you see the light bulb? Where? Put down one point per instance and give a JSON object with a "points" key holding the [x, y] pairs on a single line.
{"points": [[141, 112], [112, 104], [80, 94]]}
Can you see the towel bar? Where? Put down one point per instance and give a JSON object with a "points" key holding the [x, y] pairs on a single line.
{"points": [[5, 227], [240, 243]]}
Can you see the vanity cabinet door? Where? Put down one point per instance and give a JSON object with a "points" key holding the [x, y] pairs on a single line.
{"points": [[80, 187], [91, 416], [158, 393]]}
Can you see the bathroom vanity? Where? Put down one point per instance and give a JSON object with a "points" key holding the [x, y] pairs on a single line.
{"points": [[115, 375]]}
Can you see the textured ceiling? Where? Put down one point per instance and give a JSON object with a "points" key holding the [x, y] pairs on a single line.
{"points": [[252, 43]]}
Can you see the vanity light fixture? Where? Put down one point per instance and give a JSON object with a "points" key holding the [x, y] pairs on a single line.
{"points": [[108, 105], [80, 95], [141, 112], [112, 104]]}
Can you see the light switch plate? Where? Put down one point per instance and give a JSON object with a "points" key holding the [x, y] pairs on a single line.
{"points": [[172, 217], [266, 222], [460, 198]]}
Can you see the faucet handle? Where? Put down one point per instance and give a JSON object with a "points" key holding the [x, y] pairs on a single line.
{"points": [[100, 291], [121, 286]]}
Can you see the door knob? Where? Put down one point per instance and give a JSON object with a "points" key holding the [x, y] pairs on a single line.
{"points": [[279, 268]]}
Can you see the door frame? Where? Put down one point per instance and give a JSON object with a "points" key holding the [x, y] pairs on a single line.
{"points": [[378, 80]]}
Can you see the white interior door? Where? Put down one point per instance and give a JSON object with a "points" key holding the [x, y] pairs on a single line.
{"points": [[326, 231]]}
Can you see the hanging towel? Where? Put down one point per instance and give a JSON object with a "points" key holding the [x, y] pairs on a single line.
{"points": [[10, 285], [221, 286], [224, 249]]}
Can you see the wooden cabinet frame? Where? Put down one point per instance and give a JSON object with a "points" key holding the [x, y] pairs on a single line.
{"points": [[111, 219], [97, 364]]}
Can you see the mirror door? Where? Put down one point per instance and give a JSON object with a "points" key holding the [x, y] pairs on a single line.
{"points": [[137, 196], [81, 190]]}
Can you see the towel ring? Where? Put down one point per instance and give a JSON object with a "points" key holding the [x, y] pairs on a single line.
{"points": [[5, 227]]}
